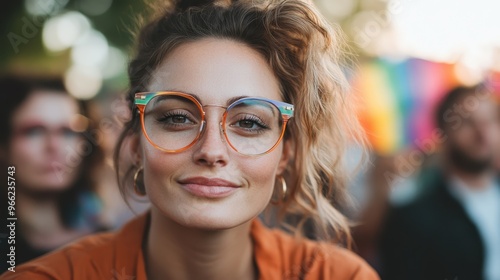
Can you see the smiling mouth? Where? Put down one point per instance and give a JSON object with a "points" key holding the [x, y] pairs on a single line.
{"points": [[208, 187]]}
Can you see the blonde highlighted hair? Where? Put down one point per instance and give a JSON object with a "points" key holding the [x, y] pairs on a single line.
{"points": [[305, 53]]}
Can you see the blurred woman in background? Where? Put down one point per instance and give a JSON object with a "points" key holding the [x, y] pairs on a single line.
{"points": [[42, 137]]}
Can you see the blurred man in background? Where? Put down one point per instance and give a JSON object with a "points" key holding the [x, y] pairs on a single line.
{"points": [[452, 230]]}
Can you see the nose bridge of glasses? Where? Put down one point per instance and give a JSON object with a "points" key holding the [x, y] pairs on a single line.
{"points": [[213, 115], [214, 105], [207, 128], [217, 118]]}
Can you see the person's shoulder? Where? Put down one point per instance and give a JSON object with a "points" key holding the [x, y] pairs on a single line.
{"points": [[301, 258], [62, 263], [427, 204], [96, 256], [321, 260], [420, 219]]}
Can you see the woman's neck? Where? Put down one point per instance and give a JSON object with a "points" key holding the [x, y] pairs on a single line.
{"points": [[175, 252], [40, 221], [38, 214]]}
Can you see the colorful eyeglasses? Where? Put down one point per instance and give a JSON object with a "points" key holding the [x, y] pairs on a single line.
{"points": [[174, 121]]}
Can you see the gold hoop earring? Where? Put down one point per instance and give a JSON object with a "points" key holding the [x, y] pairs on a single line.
{"points": [[283, 191], [139, 190]]}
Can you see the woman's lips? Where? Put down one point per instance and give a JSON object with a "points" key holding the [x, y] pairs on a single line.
{"points": [[208, 187]]}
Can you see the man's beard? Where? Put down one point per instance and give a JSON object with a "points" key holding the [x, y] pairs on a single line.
{"points": [[464, 162]]}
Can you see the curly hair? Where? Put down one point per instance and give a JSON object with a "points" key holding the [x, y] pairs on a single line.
{"points": [[306, 55]]}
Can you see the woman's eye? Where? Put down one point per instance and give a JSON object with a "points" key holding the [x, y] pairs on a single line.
{"points": [[34, 131], [175, 119], [247, 124], [250, 123], [179, 119]]}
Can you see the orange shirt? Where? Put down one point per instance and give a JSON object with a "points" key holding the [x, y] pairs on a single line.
{"points": [[119, 256]]}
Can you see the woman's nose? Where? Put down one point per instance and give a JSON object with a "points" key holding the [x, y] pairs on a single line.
{"points": [[212, 148]]}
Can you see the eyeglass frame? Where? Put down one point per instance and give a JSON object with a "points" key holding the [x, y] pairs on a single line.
{"points": [[141, 99]]}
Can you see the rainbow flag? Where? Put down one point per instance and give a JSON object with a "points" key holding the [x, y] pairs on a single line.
{"points": [[398, 99]]}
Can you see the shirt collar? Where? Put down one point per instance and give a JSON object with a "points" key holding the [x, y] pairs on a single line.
{"points": [[129, 253]]}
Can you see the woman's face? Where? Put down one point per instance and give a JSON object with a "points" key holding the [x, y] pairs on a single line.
{"points": [[210, 185], [44, 149]]}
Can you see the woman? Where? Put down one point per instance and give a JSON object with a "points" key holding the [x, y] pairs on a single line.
{"points": [[235, 105], [43, 143]]}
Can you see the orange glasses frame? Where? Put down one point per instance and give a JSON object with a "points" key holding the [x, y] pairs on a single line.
{"points": [[143, 98]]}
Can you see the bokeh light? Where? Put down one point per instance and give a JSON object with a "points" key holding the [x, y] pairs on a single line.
{"points": [[83, 82], [94, 7], [63, 31], [90, 50], [44, 7], [338, 9], [79, 123], [115, 64]]}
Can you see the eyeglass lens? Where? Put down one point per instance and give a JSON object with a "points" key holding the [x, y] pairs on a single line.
{"points": [[251, 126]]}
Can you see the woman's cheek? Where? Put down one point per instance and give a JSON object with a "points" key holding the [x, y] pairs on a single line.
{"points": [[162, 166]]}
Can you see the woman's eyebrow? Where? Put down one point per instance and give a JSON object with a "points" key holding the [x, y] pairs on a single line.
{"points": [[228, 102], [234, 99], [162, 97]]}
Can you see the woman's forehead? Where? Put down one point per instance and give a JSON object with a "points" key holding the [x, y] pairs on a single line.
{"points": [[47, 106], [216, 70]]}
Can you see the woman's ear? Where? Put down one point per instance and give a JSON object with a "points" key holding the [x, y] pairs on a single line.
{"points": [[132, 148], [286, 156]]}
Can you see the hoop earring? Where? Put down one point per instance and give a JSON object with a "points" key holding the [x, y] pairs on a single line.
{"points": [[283, 191], [139, 190]]}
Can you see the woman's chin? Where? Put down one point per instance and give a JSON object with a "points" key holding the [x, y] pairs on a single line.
{"points": [[47, 186], [212, 221], [208, 214]]}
